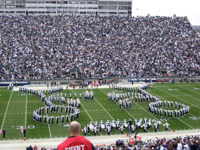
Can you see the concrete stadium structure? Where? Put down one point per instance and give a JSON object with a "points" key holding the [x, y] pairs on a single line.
{"points": [[67, 7]]}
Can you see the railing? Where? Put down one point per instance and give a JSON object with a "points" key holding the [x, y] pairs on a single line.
{"points": [[100, 78]]}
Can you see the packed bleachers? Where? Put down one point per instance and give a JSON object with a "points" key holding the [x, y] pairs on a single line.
{"points": [[96, 46], [188, 142]]}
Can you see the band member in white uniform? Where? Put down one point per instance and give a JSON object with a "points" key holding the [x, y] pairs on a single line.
{"points": [[108, 130], [132, 128], [117, 124], [122, 129], [95, 131], [85, 131], [166, 126]]}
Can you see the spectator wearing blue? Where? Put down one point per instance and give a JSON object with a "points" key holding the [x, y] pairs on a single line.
{"points": [[193, 145]]}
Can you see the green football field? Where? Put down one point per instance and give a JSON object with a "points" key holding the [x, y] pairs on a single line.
{"points": [[16, 110]]}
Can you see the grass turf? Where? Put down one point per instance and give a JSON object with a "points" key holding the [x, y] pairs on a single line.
{"points": [[16, 110]]}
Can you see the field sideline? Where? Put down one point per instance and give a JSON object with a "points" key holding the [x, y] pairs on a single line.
{"points": [[16, 109]]}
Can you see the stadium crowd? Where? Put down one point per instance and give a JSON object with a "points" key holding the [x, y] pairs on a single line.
{"points": [[177, 143], [96, 46], [188, 142], [183, 143]]}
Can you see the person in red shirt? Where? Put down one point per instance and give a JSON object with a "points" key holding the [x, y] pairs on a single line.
{"points": [[35, 147], [76, 141]]}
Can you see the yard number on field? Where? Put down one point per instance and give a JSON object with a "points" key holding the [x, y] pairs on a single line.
{"points": [[19, 127]]}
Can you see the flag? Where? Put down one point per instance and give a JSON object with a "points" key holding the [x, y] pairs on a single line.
{"points": [[0, 131], [22, 129]]}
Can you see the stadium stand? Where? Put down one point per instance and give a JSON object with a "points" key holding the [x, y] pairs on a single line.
{"points": [[51, 46], [188, 142]]}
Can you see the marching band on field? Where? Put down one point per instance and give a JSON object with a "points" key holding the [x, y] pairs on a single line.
{"points": [[156, 106], [157, 109], [89, 95], [70, 109], [69, 112], [108, 126]]}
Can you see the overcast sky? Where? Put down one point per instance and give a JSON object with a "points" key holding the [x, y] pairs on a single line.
{"points": [[189, 8]]}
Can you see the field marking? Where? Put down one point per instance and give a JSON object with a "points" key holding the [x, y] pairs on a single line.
{"points": [[185, 94], [105, 110], [190, 95], [6, 110], [48, 124], [85, 110], [26, 111], [176, 97], [49, 131], [125, 109], [186, 123], [189, 90], [171, 85], [22, 102]]}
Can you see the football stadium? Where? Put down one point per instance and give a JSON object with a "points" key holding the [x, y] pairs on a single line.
{"points": [[131, 82]]}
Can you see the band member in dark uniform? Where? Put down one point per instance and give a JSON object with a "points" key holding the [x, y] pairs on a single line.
{"points": [[67, 118], [61, 109], [62, 119], [88, 128], [129, 123], [48, 119], [44, 119], [71, 117], [57, 118], [24, 131], [52, 118], [4, 133]]}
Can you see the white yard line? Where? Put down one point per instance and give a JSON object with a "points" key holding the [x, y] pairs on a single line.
{"points": [[48, 126], [85, 110], [87, 113], [6, 111], [104, 109], [49, 131], [176, 97], [186, 123], [26, 111], [188, 89], [187, 95]]}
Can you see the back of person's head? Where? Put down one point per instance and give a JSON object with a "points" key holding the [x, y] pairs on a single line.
{"points": [[174, 144], [74, 128]]}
